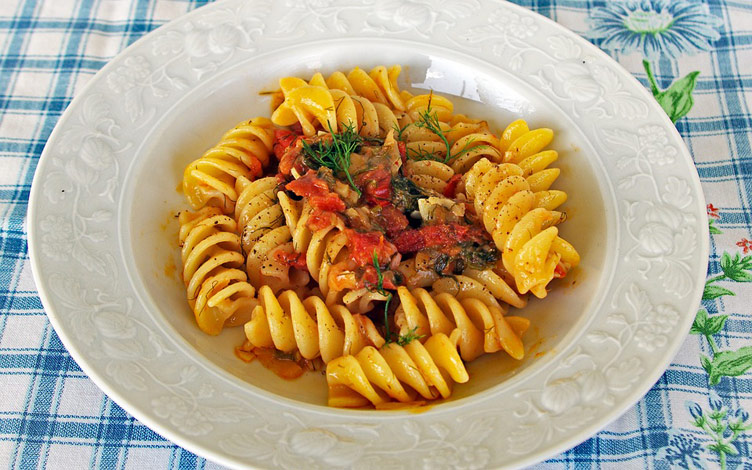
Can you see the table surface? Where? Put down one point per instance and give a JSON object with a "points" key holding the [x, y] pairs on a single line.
{"points": [[695, 57]]}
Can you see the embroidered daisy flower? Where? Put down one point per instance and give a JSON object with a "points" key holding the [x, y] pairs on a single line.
{"points": [[654, 27]]}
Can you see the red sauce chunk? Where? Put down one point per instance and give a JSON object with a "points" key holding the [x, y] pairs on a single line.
{"points": [[363, 246], [392, 219], [560, 271], [317, 191], [402, 147], [451, 187], [441, 235], [320, 219], [287, 148], [370, 278], [292, 259], [376, 186]]}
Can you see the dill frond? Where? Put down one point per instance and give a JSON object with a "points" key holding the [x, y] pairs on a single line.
{"points": [[335, 155]]}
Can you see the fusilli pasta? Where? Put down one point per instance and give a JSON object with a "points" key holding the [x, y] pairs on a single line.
{"points": [[378, 375], [375, 231], [217, 290], [243, 151]]}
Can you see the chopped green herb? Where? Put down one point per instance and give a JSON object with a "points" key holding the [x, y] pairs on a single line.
{"points": [[400, 130], [405, 193], [430, 120], [335, 154], [380, 289], [408, 337]]}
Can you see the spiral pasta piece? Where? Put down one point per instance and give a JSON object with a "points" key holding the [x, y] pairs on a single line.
{"points": [[526, 151], [386, 80], [436, 105], [525, 234], [369, 115], [243, 151], [323, 248], [361, 300], [378, 86], [288, 323], [217, 290], [363, 100], [482, 327], [377, 376], [429, 174], [485, 285], [461, 125], [263, 233], [472, 147], [305, 104]]}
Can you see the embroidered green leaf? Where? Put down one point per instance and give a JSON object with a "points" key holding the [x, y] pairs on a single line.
{"points": [[705, 362], [707, 325], [737, 268], [698, 326], [724, 448], [712, 228], [677, 99], [713, 291], [730, 364]]}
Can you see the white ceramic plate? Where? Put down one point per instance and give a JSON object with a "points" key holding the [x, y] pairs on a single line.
{"points": [[102, 233]]}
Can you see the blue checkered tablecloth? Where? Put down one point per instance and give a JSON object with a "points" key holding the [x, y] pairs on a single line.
{"points": [[695, 56]]}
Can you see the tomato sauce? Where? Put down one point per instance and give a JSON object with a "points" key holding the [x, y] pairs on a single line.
{"points": [[392, 220], [364, 246], [292, 259], [287, 147], [441, 235], [376, 186], [317, 191]]}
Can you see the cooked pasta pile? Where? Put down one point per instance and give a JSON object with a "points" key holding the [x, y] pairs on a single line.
{"points": [[373, 232]]}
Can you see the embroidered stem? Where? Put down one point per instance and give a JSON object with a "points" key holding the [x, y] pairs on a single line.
{"points": [[651, 78]]}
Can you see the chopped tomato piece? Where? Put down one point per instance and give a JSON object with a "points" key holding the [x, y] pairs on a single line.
{"points": [[363, 246], [376, 185], [320, 219], [392, 219], [411, 241], [308, 185], [370, 278], [330, 202], [402, 147], [341, 278], [282, 140], [451, 187], [287, 148], [317, 192], [560, 271], [292, 259]]}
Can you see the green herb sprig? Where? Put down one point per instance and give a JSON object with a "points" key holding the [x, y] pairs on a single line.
{"points": [[380, 289], [409, 337], [336, 154], [430, 120]]}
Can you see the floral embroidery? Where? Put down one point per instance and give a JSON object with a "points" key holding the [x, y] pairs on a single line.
{"points": [[745, 244], [713, 211], [654, 27], [658, 28], [682, 451], [722, 425]]}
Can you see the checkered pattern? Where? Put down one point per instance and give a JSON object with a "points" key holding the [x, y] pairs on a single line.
{"points": [[53, 416]]}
